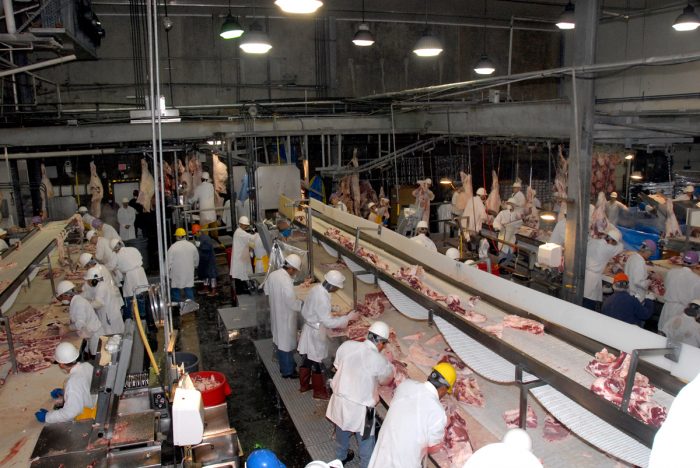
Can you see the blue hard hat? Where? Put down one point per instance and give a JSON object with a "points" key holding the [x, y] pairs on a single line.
{"points": [[263, 458]]}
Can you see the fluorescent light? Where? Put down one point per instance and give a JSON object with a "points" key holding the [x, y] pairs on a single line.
{"points": [[484, 66], [547, 216], [231, 29], [363, 37], [636, 175], [255, 41], [445, 181], [629, 157], [567, 20], [688, 20], [214, 142], [428, 46], [302, 7]]}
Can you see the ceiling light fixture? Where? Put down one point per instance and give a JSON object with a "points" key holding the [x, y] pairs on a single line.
{"points": [[629, 156], [255, 41], [484, 66], [548, 216], [688, 20], [567, 20], [231, 29], [636, 175], [428, 45], [363, 36], [300, 7]]}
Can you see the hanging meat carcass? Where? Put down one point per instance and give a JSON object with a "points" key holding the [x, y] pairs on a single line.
{"points": [[493, 202], [603, 166], [531, 214], [96, 191], [672, 229], [185, 179], [424, 196], [169, 178], [599, 221], [194, 166], [355, 184], [147, 187], [467, 194], [46, 192], [220, 179]]}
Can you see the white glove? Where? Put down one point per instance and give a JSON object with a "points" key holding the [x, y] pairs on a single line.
{"points": [[651, 296]]}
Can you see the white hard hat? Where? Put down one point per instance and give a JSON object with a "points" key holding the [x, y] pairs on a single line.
{"points": [[125, 200], [481, 191], [321, 464], [452, 253], [509, 453], [511, 200], [293, 260], [422, 225], [518, 439], [82, 209], [114, 243], [244, 220], [469, 262], [205, 176], [689, 189], [613, 195], [615, 234], [517, 185], [371, 204], [335, 278], [63, 287], [84, 259], [696, 302], [65, 353], [93, 273], [90, 234], [380, 329]]}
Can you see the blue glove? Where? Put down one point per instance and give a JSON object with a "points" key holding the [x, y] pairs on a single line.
{"points": [[56, 393], [41, 415]]}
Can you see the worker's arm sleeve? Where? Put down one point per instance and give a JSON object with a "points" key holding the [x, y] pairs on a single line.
{"points": [[291, 299], [386, 373], [645, 310], [71, 408], [195, 257], [436, 430], [329, 321]]}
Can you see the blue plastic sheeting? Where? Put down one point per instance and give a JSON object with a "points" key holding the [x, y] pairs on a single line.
{"points": [[632, 238]]}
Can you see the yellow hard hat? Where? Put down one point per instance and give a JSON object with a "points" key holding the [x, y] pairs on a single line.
{"points": [[179, 232], [447, 372]]}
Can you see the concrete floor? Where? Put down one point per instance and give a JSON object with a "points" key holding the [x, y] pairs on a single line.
{"points": [[255, 409]]}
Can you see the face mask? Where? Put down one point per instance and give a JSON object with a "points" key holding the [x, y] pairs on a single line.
{"points": [[65, 301], [286, 232]]}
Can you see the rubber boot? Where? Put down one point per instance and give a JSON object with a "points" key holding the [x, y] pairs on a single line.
{"points": [[204, 291], [212, 293], [304, 379], [318, 382]]}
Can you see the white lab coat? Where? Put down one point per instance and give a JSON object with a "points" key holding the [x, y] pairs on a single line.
{"points": [[675, 444], [204, 194], [341, 206], [130, 264], [683, 329], [107, 305], [507, 224], [240, 260], [183, 258], [682, 286], [317, 318], [361, 369], [476, 213], [558, 233], [284, 309], [636, 270], [104, 254], [108, 278], [84, 320], [3, 245], [415, 421], [612, 210], [520, 201], [226, 216], [425, 241], [598, 255], [259, 252], [76, 394], [127, 217], [444, 213], [109, 233]]}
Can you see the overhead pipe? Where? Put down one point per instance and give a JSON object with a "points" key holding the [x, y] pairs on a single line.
{"points": [[9, 16], [35, 66], [58, 154]]}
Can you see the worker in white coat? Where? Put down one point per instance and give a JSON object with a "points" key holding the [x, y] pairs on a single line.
{"points": [[558, 235], [685, 327], [675, 443], [3, 243], [126, 217], [687, 195], [183, 258], [87, 261], [514, 451], [260, 258], [337, 203], [475, 212], [108, 232], [284, 309], [636, 269], [415, 423], [106, 304], [78, 403], [83, 318], [204, 196], [313, 343], [613, 208], [130, 264], [103, 252], [507, 222], [682, 286], [243, 242], [421, 237], [518, 199], [600, 251], [361, 369]]}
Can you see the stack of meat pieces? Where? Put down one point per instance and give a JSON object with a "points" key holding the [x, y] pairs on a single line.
{"points": [[373, 306], [349, 244], [34, 340], [553, 430], [611, 372], [512, 418], [466, 390], [518, 323]]}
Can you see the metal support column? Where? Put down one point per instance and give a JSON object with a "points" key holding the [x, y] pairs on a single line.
{"points": [[580, 150]]}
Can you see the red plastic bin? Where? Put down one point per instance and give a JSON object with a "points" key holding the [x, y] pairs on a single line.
{"points": [[217, 395]]}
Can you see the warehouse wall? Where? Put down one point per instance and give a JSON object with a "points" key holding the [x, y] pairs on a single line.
{"points": [[208, 70]]}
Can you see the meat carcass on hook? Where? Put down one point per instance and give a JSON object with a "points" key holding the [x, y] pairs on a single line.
{"points": [[672, 229], [147, 187], [355, 184], [493, 202], [599, 221], [97, 192]]}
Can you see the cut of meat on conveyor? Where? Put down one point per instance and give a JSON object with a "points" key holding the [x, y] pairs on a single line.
{"points": [[512, 418]]}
